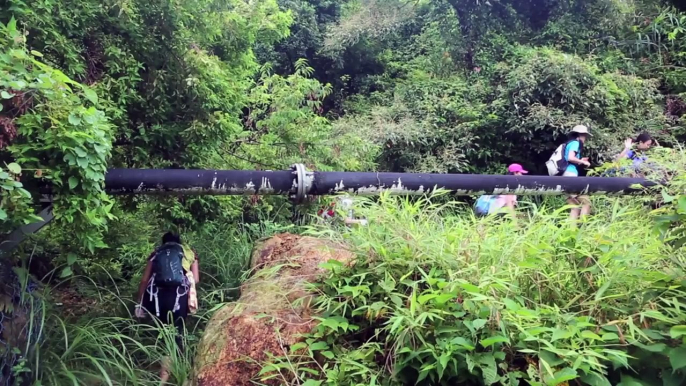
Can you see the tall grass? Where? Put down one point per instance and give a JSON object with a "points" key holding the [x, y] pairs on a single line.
{"points": [[107, 346], [438, 296]]}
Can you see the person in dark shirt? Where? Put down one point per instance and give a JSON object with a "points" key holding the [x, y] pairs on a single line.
{"points": [[170, 305]]}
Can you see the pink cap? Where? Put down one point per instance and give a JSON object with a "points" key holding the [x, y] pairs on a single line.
{"points": [[516, 168]]}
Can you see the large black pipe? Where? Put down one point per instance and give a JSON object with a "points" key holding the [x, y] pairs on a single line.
{"points": [[472, 184], [182, 181], [239, 182]]}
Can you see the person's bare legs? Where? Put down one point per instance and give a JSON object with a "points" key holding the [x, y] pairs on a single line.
{"points": [[585, 210], [576, 211], [585, 202]]}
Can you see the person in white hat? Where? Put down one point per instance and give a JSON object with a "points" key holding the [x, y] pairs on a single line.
{"points": [[573, 156]]}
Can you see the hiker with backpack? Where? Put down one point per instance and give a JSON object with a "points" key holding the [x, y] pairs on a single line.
{"points": [[566, 161], [503, 203], [167, 289]]}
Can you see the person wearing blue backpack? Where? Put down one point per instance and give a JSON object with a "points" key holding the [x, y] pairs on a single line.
{"points": [[498, 204]]}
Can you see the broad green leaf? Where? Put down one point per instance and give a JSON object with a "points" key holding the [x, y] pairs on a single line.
{"points": [[586, 334], [538, 330], [425, 298], [327, 354], [610, 336], [74, 119], [3, 214], [5, 95], [298, 346], [479, 323], [489, 370], [36, 53], [444, 298], [493, 340], [80, 152], [463, 342], [659, 347], [595, 379], [550, 358], [563, 375], [90, 95], [316, 346], [677, 331], [71, 258], [73, 182], [443, 363], [629, 381], [470, 363], [677, 358], [666, 197], [311, 382], [469, 287], [511, 304], [14, 168], [12, 24], [561, 334], [66, 272], [423, 374], [652, 334]]}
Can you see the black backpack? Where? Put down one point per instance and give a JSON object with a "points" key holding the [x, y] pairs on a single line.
{"points": [[168, 265]]}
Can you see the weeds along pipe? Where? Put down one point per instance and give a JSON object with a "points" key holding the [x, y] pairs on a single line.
{"points": [[300, 183]]}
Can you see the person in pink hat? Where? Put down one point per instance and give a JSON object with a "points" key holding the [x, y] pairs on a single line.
{"points": [[508, 201]]}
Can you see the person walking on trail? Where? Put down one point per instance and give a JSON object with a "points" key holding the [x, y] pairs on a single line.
{"points": [[167, 289], [503, 203], [573, 156]]}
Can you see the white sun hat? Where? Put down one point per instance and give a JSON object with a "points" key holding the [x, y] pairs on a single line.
{"points": [[581, 129]]}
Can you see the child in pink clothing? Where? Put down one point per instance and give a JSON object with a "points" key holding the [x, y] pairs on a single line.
{"points": [[508, 200]]}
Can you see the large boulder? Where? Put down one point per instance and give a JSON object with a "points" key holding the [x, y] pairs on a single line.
{"points": [[274, 310]]}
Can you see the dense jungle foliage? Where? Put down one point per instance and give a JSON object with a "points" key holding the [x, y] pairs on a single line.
{"points": [[445, 86]]}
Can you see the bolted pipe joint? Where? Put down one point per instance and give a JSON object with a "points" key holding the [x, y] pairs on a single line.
{"points": [[302, 183]]}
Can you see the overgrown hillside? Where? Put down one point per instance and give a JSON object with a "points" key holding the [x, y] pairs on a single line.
{"points": [[445, 86]]}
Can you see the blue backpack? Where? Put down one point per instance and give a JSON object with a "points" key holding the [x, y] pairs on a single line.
{"points": [[483, 204]]}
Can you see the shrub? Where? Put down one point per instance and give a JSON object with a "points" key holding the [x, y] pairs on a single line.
{"points": [[439, 297]]}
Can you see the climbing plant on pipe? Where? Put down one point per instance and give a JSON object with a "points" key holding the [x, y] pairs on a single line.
{"points": [[51, 130]]}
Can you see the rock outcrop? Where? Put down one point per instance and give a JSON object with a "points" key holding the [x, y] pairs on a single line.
{"points": [[274, 310]]}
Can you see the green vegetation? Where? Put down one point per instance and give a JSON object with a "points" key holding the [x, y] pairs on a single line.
{"points": [[438, 297], [394, 85]]}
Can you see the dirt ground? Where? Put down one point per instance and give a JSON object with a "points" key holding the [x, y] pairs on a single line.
{"points": [[273, 312]]}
